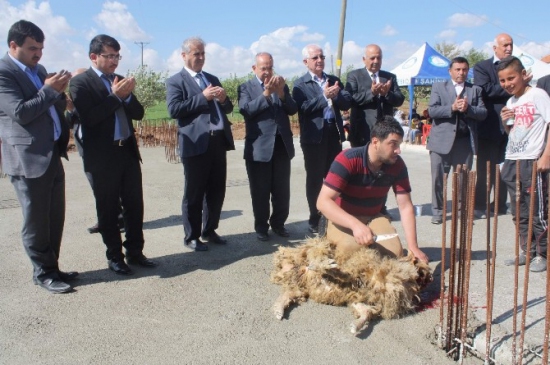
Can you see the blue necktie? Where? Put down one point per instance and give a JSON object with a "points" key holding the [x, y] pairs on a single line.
{"points": [[214, 116], [53, 113]]}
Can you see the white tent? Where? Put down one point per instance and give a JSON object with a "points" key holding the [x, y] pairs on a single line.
{"points": [[538, 68]]}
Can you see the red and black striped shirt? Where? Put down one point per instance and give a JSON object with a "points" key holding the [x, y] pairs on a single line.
{"points": [[363, 192]]}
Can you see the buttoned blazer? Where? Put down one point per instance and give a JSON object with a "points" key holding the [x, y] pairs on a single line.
{"points": [[96, 107], [364, 108], [311, 103], [444, 120], [26, 126], [189, 107], [264, 119], [494, 97]]}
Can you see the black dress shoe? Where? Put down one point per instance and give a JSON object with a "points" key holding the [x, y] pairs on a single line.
{"points": [[94, 229], [141, 261], [213, 238], [262, 236], [68, 275], [120, 267], [281, 231], [313, 229], [196, 245], [55, 286]]}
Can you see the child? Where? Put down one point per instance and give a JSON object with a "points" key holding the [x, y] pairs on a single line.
{"points": [[526, 115]]}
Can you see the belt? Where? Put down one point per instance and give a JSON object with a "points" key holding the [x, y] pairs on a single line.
{"points": [[121, 142], [217, 132]]}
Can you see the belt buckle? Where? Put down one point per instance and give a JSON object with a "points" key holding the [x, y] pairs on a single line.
{"points": [[120, 142]]}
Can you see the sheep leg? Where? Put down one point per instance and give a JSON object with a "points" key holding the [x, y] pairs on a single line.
{"points": [[283, 301], [364, 314]]}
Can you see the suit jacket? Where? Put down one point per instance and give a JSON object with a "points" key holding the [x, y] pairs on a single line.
{"points": [[444, 120], [96, 108], [494, 97], [311, 103], [544, 83], [187, 104], [364, 108], [26, 126], [264, 119]]}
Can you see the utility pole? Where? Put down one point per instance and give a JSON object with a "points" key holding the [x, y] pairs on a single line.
{"points": [[341, 38], [142, 44]]}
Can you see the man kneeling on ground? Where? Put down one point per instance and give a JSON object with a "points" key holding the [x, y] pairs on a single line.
{"points": [[357, 186]]}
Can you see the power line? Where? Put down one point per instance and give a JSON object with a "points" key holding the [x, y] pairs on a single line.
{"points": [[142, 44]]}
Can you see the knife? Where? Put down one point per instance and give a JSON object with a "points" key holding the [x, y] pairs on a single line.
{"points": [[384, 237]]}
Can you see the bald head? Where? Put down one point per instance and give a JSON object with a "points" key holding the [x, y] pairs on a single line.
{"points": [[503, 45], [372, 58]]}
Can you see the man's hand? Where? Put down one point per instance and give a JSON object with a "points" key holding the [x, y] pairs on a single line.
{"points": [[123, 88], [419, 255], [214, 92], [362, 234], [58, 81], [384, 88], [460, 105], [331, 91]]}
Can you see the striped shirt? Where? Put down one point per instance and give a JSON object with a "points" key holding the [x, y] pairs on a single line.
{"points": [[363, 192]]}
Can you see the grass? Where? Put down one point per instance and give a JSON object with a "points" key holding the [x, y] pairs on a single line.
{"points": [[160, 112]]}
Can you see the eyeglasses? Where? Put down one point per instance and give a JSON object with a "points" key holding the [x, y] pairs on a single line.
{"points": [[112, 57], [317, 57]]}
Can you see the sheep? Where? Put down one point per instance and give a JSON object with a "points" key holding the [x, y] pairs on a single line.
{"points": [[371, 284]]}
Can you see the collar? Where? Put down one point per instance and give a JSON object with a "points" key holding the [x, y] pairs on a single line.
{"points": [[459, 84], [495, 59], [371, 73], [191, 72], [99, 73], [313, 76], [33, 70], [260, 81]]}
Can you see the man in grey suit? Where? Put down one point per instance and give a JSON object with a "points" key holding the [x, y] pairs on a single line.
{"points": [[455, 107], [199, 103], [375, 93], [265, 103], [34, 136]]}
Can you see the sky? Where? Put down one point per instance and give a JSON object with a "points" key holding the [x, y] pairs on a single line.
{"points": [[235, 30]]}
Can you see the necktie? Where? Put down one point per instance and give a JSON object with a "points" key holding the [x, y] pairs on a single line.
{"points": [[202, 84], [53, 113], [122, 130], [214, 116]]}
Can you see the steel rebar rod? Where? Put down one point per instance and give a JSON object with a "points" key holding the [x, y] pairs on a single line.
{"points": [[516, 266], [532, 195], [452, 264], [547, 317], [443, 248]]}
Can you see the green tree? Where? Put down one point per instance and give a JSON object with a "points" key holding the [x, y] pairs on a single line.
{"points": [[231, 84], [150, 88], [449, 50], [474, 56]]}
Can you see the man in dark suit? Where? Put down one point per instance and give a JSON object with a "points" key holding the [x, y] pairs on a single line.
{"points": [[106, 106], [265, 103], [491, 133], [34, 136], [320, 98], [199, 103], [544, 83], [375, 93], [456, 107]]}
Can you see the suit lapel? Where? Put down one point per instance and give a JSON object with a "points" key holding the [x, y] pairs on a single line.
{"points": [[190, 81], [21, 75]]}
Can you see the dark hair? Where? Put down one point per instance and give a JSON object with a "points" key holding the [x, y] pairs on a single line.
{"points": [[510, 61], [385, 126], [22, 29], [103, 40], [459, 59]]}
